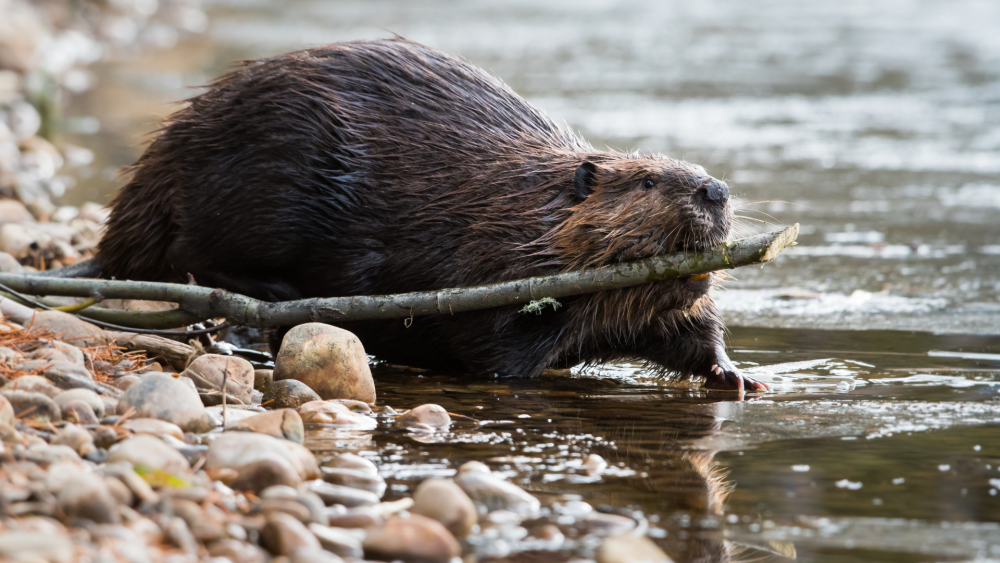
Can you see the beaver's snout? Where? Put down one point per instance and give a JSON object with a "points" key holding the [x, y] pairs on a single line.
{"points": [[713, 191]]}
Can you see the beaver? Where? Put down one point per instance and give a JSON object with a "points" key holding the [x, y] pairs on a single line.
{"points": [[385, 166]]}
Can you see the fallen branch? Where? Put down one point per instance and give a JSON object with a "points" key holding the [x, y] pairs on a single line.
{"points": [[200, 303]]}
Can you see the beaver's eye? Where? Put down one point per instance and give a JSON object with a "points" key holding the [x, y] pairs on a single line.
{"points": [[648, 184]]}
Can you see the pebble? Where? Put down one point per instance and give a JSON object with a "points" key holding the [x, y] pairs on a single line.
{"points": [[152, 453], [416, 538], [92, 399], [27, 547], [233, 450], [446, 502], [6, 411], [70, 329], [86, 496], [208, 372], [314, 555], [263, 473], [59, 351], [338, 494], [284, 535], [432, 415], [80, 413], [124, 472], [359, 518], [33, 406], [236, 551], [339, 541], [153, 427], [348, 460], [603, 524], [281, 423], [330, 360], [335, 414], [356, 479], [493, 492], [33, 384], [288, 394], [167, 398], [75, 437], [630, 548]]}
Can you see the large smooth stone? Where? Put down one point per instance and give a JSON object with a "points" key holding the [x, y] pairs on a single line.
{"points": [[70, 329], [259, 475], [355, 478], [167, 398], [234, 450], [288, 394], [416, 538], [446, 502], [150, 453], [328, 359], [335, 414], [209, 370], [339, 494], [282, 423]]}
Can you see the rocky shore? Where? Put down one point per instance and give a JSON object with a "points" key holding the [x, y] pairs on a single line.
{"points": [[114, 449]]}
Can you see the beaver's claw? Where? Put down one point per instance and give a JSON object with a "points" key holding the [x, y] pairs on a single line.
{"points": [[725, 376]]}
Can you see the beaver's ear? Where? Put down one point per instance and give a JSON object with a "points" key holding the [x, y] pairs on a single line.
{"points": [[585, 180]]}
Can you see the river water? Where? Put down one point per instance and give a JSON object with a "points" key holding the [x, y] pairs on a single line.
{"points": [[875, 125]]}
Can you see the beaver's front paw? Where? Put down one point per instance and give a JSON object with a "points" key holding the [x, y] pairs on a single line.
{"points": [[725, 376]]}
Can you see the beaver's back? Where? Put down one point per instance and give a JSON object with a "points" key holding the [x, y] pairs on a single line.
{"points": [[321, 172]]}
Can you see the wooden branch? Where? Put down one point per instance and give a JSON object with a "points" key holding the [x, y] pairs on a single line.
{"points": [[204, 303]]}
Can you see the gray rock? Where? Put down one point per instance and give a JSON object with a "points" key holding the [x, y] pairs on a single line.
{"points": [[631, 549], [47, 455], [328, 359], [356, 479], [416, 538], [447, 503], [91, 398], [153, 427], [284, 535], [208, 372], [281, 423], [288, 394], [24, 546], [151, 453], [59, 351], [167, 398], [33, 406], [339, 494], [314, 555], [79, 412], [138, 486]]}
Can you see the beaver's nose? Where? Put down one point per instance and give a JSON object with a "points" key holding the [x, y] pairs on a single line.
{"points": [[715, 191]]}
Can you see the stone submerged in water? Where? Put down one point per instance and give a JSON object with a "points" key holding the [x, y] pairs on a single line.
{"points": [[430, 415], [288, 394], [493, 492], [167, 398], [208, 372], [330, 360], [335, 414]]}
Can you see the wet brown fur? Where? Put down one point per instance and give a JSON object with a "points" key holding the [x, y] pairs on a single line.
{"points": [[384, 166]]}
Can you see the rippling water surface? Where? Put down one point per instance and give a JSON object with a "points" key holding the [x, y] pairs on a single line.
{"points": [[876, 125]]}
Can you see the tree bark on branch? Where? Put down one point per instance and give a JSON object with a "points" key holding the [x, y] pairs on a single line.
{"points": [[200, 303]]}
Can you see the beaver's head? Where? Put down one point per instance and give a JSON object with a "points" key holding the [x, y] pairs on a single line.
{"points": [[633, 208]]}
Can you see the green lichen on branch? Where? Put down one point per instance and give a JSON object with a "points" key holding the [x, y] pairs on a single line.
{"points": [[538, 305]]}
